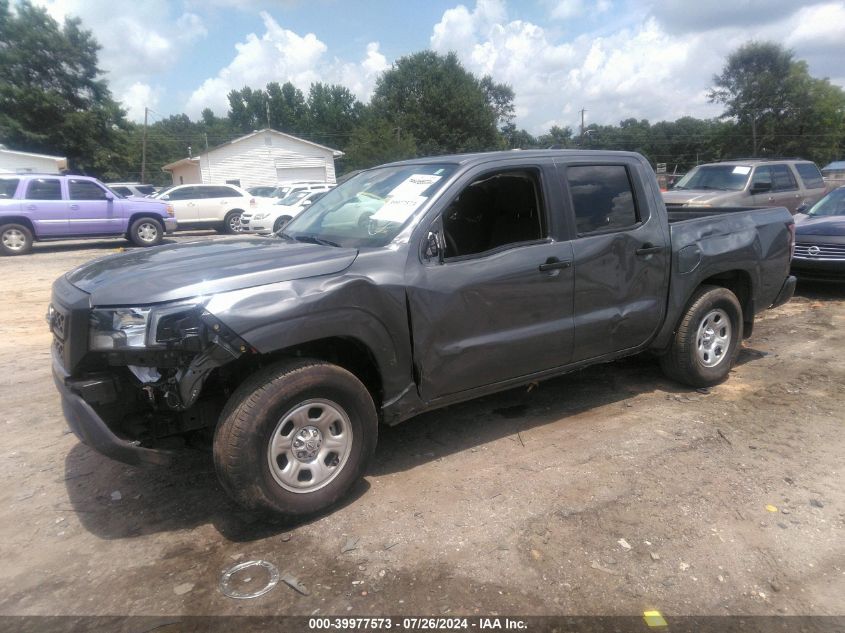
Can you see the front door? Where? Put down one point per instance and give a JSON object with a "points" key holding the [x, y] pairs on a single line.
{"points": [[91, 213], [621, 258], [184, 201], [498, 305]]}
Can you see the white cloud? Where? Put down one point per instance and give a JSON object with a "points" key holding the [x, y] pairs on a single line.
{"points": [[138, 39], [644, 70], [138, 96], [282, 55]]}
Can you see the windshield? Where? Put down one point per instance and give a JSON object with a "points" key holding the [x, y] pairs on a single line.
{"points": [[293, 198], [716, 177], [371, 208], [163, 191], [832, 204]]}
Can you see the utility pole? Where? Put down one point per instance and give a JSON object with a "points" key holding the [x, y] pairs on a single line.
{"points": [[207, 159], [582, 126], [144, 149]]}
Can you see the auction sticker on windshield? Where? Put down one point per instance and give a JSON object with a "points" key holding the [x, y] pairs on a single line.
{"points": [[405, 198], [741, 169]]}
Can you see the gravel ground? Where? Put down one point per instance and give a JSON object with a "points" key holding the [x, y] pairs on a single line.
{"points": [[608, 491]]}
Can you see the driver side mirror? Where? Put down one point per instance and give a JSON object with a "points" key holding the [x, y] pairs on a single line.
{"points": [[109, 196], [760, 187], [802, 208], [165, 197], [432, 248]]}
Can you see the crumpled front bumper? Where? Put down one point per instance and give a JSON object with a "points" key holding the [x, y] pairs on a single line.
{"points": [[90, 428]]}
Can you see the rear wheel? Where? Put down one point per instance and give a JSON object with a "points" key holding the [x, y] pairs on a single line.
{"points": [[15, 239], [706, 342], [146, 232], [295, 437], [232, 222]]}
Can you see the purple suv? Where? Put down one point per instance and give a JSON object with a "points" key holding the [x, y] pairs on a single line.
{"points": [[46, 207]]}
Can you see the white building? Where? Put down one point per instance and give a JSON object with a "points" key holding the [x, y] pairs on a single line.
{"points": [[265, 157], [12, 162]]}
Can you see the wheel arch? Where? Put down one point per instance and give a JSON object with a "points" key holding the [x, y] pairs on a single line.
{"points": [[19, 219], [740, 283], [143, 214]]}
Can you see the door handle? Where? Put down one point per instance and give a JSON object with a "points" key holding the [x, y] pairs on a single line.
{"points": [[649, 249], [553, 263], [74, 206], [31, 207]]}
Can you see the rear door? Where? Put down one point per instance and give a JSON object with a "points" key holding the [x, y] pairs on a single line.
{"points": [[47, 206], [499, 304], [783, 187], [91, 213], [621, 255], [184, 203], [218, 201]]}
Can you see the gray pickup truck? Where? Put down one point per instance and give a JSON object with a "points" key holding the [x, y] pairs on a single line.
{"points": [[410, 287]]}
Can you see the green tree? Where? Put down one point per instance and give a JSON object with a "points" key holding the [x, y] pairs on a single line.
{"points": [[556, 137], [440, 104], [52, 97], [374, 141], [777, 105], [332, 113]]}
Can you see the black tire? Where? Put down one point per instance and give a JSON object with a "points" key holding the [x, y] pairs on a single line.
{"points": [[232, 222], [281, 223], [15, 239], [146, 232], [262, 409], [690, 359]]}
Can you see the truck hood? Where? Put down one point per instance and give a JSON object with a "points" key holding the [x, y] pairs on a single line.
{"points": [[697, 196], [825, 225], [192, 269], [144, 204]]}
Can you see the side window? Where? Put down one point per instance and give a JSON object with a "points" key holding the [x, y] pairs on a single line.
{"points": [[44, 189], [810, 174], [496, 210], [602, 198], [186, 193], [123, 191], [762, 176], [8, 186], [782, 178], [85, 190]]}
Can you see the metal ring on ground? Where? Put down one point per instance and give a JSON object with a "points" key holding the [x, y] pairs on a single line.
{"points": [[228, 590]]}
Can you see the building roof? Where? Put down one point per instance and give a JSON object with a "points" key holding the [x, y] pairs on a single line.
{"points": [[58, 159], [335, 152], [180, 163]]}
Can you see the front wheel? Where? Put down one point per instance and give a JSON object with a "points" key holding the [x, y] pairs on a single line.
{"points": [[146, 232], [706, 342], [15, 239], [295, 437], [281, 223]]}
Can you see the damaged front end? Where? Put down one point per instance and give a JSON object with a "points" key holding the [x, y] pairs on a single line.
{"points": [[146, 375]]}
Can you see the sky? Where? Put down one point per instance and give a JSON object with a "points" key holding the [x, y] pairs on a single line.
{"points": [[616, 59]]}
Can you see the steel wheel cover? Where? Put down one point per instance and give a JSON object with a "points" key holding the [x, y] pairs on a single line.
{"points": [[309, 446]]}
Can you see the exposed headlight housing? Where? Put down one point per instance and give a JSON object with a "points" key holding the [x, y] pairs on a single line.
{"points": [[144, 327]]}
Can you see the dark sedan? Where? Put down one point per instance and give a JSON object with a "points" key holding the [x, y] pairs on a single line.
{"points": [[820, 239]]}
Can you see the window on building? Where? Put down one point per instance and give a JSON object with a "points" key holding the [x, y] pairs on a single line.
{"points": [[602, 198]]}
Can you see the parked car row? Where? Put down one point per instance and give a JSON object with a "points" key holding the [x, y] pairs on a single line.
{"points": [[50, 207]]}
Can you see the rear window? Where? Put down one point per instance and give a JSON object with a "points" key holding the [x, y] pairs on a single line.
{"points": [[602, 198], [44, 189], [123, 191], [8, 186], [146, 190], [220, 192], [810, 175]]}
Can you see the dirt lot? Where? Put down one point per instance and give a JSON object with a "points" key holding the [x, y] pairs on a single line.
{"points": [[608, 491]]}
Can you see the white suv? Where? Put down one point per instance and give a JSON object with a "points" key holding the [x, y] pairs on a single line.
{"points": [[209, 206]]}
